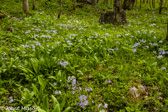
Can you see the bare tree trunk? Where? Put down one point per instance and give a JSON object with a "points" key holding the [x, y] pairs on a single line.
{"points": [[26, 6], [33, 5], [60, 9], [153, 3], [160, 9], [105, 2], [167, 32], [117, 16], [74, 6], [150, 4], [94, 2], [128, 4], [166, 3]]}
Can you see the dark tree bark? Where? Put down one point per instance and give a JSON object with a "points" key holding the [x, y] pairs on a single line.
{"points": [[167, 32], [118, 16], [160, 8], [59, 14], [128, 4], [105, 2], [74, 6], [33, 5], [153, 3], [26, 6]]}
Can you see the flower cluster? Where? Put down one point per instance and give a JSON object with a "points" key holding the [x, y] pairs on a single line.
{"points": [[83, 101]]}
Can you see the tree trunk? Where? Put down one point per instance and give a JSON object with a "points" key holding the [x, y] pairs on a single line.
{"points": [[74, 6], [94, 2], [167, 32], [60, 9], [118, 16], [153, 3], [128, 4], [140, 4], [160, 9], [26, 6], [105, 2], [33, 5]]}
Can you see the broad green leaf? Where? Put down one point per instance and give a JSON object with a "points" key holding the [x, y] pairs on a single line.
{"points": [[45, 104], [67, 109], [35, 90]]}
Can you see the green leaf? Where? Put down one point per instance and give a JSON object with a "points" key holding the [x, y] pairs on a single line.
{"points": [[54, 100], [63, 102], [41, 82], [57, 108], [67, 109], [35, 90], [45, 104]]}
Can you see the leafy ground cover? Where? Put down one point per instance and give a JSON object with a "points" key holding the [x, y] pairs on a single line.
{"points": [[77, 64]]}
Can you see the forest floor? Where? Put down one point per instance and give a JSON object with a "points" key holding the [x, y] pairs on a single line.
{"points": [[77, 64]]}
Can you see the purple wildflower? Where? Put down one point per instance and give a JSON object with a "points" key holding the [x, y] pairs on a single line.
{"points": [[64, 64], [160, 56], [134, 50]]}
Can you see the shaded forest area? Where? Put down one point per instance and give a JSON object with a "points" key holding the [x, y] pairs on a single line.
{"points": [[84, 55]]}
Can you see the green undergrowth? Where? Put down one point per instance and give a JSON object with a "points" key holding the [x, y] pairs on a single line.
{"points": [[76, 64]]}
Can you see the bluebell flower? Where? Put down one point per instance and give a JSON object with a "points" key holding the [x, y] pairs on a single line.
{"points": [[136, 44], [134, 50], [143, 41], [105, 105], [163, 68], [64, 64], [154, 51], [83, 104], [160, 56], [155, 44], [82, 98]]}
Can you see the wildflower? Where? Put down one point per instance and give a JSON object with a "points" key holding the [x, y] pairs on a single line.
{"points": [[138, 31], [79, 89], [163, 68], [64, 64], [99, 105], [88, 89], [11, 100], [57, 92], [55, 83], [134, 50], [160, 41], [82, 98], [23, 52], [154, 37], [143, 41], [105, 105], [117, 42], [83, 104], [146, 46], [43, 36], [163, 106], [162, 52], [136, 44], [102, 110], [77, 103], [155, 44], [73, 92], [160, 56], [154, 51]]}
